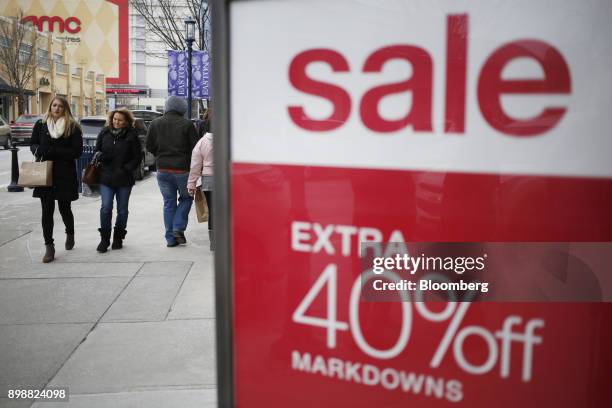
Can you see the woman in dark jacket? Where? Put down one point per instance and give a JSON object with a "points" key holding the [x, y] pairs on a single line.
{"points": [[119, 151], [58, 137]]}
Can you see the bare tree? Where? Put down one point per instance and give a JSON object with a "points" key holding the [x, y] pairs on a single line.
{"points": [[17, 57], [200, 12], [164, 19]]}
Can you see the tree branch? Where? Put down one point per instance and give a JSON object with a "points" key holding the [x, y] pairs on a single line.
{"points": [[164, 19], [17, 39]]}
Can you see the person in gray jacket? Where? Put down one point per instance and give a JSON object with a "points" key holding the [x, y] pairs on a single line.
{"points": [[171, 138]]}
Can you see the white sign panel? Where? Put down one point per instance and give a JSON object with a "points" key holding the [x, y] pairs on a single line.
{"points": [[481, 86]]}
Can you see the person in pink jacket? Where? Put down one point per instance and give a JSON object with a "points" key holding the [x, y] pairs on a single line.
{"points": [[202, 166]]}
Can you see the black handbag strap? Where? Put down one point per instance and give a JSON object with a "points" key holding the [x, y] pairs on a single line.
{"points": [[35, 155], [95, 160]]}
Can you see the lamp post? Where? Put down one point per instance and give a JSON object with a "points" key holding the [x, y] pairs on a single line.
{"points": [[14, 187], [189, 39]]}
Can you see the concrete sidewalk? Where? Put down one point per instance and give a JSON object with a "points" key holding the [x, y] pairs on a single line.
{"points": [[128, 328]]}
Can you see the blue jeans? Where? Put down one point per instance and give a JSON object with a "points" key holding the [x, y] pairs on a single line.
{"points": [[106, 211], [175, 214]]}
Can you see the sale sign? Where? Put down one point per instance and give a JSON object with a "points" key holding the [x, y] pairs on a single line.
{"points": [[407, 122]]}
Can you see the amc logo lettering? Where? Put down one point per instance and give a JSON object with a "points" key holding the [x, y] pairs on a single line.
{"points": [[491, 86], [72, 24]]}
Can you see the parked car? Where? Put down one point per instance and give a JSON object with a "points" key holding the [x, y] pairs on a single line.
{"points": [[146, 115], [91, 126], [5, 134], [21, 129]]}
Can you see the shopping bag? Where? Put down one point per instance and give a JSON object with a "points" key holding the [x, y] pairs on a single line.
{"points": [[201, 206], [91, 175], [36, 174]]}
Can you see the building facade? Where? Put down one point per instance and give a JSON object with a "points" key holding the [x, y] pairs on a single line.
{"points": [[100, 54], [54, 74], [86, 48], [148, 87]]}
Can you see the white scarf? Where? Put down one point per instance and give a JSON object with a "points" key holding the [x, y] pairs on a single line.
{"points": [[56, 129]]}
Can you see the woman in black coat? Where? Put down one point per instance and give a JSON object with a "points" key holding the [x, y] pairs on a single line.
{"points": [[119, 151], [58, 137]]}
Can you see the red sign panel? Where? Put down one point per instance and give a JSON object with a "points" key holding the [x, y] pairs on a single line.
{"points": [[301, 327], [71, 24]]}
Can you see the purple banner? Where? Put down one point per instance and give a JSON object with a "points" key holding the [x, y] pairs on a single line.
{"points": [[177, 73], [200, 74]]}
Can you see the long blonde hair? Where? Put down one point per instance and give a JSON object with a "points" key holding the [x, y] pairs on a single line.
{"points": [[71, 123]]}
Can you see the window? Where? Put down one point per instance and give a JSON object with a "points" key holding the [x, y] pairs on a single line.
{"points": [[73, 106], [24, 57], [27, 48], [27, 118], [138, 44], [139, 56], [99, 107], [61, 68], [139, 20], [42, 58], [139, 32]]}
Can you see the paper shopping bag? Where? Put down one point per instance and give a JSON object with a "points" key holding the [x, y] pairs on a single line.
{"points": [[36, 174], [201, 206]]}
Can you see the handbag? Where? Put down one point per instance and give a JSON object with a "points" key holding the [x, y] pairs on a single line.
{"points": [[201, 206], [36, 173], [91, 174]]}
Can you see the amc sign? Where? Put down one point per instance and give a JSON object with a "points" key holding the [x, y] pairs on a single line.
{"points": [[72, 24]]}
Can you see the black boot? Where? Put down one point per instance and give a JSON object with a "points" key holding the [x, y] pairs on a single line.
{"points": [[104, 239], [69, 241], [49, 253], [211, 236], [118, 237]]}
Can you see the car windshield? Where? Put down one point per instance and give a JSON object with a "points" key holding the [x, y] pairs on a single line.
{"points": [[27, 119], [92, 126]]}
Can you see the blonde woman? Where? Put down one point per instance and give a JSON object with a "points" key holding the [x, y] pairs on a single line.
{"points": [[119, 150], [58, 137]]}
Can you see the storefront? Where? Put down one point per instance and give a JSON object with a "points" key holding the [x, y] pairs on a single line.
{"points": [[8, 100], [127, 95]]}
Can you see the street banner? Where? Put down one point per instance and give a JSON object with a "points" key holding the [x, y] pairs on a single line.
{"points": [[410, 124], [201, 74], [178, 77], [177, 73]]}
